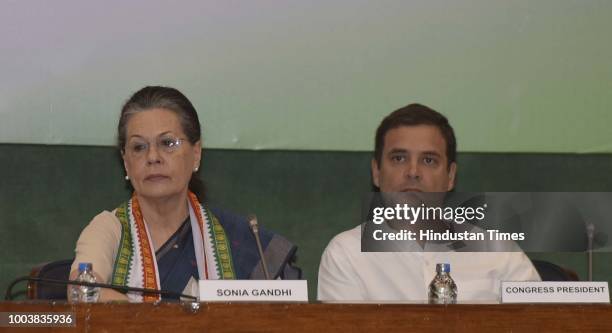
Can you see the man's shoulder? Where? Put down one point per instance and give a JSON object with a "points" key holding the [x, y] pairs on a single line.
{"points": [[348, 241]]}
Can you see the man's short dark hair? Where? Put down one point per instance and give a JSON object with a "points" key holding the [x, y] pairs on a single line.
{"points": [[414, 115]]}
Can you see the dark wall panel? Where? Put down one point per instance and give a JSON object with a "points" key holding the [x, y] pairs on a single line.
{"points": [[49, 193]]}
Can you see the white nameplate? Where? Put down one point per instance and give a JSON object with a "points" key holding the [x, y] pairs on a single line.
{"points": [[555, 292], [253, 291]]}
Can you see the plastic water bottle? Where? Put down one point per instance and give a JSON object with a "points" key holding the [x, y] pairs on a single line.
{"points": [[85, 294], [442, 289]]}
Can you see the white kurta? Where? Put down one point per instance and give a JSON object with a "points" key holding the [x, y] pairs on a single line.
{"points": [[348, 275]]}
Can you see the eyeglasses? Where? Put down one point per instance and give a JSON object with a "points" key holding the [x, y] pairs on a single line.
{"points": [[166, 144]]}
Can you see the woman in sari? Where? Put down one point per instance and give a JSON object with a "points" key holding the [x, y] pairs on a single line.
{"points": [[165, 237]]}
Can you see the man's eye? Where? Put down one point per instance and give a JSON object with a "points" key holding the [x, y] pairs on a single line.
{"points": [[398, 158], [429, 160]]}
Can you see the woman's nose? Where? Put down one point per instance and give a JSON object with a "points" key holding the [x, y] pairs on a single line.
{"points": [[153, 156]]}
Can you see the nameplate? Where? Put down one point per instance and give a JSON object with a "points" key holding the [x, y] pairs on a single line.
{"points": [[253, 291], [555, 292]]}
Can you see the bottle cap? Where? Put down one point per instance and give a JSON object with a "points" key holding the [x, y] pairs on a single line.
{"points": [[443, 268], [85, 266]]}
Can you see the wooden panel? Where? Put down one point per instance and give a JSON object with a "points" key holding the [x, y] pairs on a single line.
{"points": [[173, 317]]}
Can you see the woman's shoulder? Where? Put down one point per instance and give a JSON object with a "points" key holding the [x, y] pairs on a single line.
{"points": [[226, 216], [237, 226], [104, 223], [230, 221], [106, 218]]}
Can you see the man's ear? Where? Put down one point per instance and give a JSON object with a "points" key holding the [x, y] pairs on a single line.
{"points": [[452, 173], [375, 172]]}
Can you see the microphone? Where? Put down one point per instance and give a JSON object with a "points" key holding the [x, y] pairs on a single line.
{"points": [[122, 289], [590, 228], [255, 229]]}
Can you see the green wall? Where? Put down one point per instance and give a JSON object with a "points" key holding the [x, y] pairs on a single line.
{"points": [[49, 193], [512, 76]]}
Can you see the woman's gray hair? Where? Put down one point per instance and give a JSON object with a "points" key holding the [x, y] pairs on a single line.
{"points": [[157, 97]]}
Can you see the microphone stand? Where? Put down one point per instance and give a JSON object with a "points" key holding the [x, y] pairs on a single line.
{"points": [[255, 228], [590, 235]]}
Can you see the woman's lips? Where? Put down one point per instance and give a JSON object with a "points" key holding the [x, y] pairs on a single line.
{"points": [[156, 178]]}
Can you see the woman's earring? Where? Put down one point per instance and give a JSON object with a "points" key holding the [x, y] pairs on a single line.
{"points": [[196, 169], [127, 177]]}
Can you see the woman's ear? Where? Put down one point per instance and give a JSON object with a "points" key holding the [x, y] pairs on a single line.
{"points": [[197, 153], [125, 167]]}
